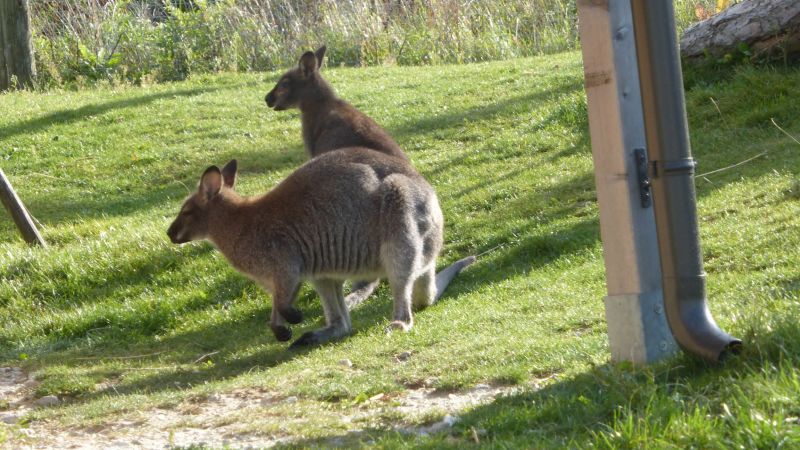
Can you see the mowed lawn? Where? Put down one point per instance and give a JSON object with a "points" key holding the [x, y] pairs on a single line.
{"points": [[116, 320]]}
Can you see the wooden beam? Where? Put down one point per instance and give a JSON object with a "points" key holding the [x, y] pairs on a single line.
{"points": [[18, 212], [637, 329]]}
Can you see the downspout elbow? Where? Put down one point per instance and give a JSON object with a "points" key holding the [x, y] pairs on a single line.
{"points": [[691, 322]]}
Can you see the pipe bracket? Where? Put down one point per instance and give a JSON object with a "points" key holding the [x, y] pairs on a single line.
{"points": [[640, 157], [675, 167]]}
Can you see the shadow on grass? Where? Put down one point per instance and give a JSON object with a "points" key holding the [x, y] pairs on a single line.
{"points": [[597, 407], [52, 208], [502, 108], [505, 108], [81, 199], [533, 245], [237, 344], [86, 288], [69, 116]]}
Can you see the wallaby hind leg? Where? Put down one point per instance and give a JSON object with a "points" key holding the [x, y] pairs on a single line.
{"points": [[399, 259], [424, 291], [402, 318], [284, 292], [278, 326], [359, 292], [337, 318]]}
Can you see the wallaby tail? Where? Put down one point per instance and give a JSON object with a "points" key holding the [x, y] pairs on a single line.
{"points": [[362, 289], [359, 292], [444, 277]]}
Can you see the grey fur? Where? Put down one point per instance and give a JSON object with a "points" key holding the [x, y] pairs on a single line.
{"points": [[329, 123], [348, 214]]}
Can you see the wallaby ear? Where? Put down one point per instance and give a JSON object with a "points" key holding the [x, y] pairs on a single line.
{"points": [[229, 173], [320, 54], [211, 182], [308, 64]]}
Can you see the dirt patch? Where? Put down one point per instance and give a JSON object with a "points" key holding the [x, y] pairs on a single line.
{"points": [[205, 420], [15, 390]]}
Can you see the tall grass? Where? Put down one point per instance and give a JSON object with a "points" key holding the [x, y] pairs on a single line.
{"points": [[142, 40]]}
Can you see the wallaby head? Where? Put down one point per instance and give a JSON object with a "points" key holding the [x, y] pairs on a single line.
{"points": [[329, 123], [192, 223], [205, 215], [302, 82]]}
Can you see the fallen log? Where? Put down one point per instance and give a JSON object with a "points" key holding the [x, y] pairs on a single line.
{"points": [[756, 28]]}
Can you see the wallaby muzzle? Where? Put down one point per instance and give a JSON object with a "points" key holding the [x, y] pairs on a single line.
{"points": [[174, 234], [271, 100]]}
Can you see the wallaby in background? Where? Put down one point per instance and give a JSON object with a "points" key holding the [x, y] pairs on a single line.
{"points": [[330, 123], [348, 214]]}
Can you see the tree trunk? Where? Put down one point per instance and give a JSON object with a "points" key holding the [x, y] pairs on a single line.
{"points": [[17, 67], [768, 28]]}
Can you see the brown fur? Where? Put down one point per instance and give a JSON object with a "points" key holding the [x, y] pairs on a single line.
{"points": [[348, 214], [329, 123]]}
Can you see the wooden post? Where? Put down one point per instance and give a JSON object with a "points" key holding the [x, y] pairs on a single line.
{"points": [[18, 212], [637, 328], [17, 67]]}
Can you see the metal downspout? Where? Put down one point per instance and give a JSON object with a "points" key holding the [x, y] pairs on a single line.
{"points": [[672, 169]]}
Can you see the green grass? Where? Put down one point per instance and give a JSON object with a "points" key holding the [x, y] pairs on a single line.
{"points": [[506, 146]]}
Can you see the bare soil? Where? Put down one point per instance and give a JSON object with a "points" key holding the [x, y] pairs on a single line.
{"points": [[201, 421]]}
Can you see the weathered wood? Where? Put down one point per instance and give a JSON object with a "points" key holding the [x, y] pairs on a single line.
{"points": [[18, 212], [17, 67], [769, 28]]}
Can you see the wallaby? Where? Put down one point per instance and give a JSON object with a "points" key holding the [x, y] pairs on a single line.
{"points": [[330, 123], [349, 214]]}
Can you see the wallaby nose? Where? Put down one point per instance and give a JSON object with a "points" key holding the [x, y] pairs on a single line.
{"points": [[172, 232], [270, 99]]}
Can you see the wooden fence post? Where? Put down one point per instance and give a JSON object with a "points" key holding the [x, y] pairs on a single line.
{"points": [[18, 212]]}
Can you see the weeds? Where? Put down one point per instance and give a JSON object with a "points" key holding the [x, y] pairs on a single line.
{"points": [[147, 40]]}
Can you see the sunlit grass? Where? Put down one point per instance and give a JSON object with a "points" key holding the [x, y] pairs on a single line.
{"points": [[506, 146]]}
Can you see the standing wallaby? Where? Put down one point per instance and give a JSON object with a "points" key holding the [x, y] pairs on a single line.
{"points": [[330, 123], [348, 214]]}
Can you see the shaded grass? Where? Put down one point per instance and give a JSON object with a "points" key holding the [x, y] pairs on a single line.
{"points": [[506, 146]]}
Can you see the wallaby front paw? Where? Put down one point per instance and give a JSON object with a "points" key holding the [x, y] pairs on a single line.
{"points": [[308, 338], [282, 332], [398, 325], [292, 315]]}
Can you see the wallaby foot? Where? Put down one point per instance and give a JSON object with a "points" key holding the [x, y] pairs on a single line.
{"points": [[291, 314], [282, 332], [337, 318], [359, 292], [278, 326], [320, 336], [399, 326]]}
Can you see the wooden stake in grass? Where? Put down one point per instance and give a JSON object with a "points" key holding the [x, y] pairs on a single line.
{"points": [[18, 212]]}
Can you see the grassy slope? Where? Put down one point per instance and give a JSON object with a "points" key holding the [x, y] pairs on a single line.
{"points": [[506, 146]]}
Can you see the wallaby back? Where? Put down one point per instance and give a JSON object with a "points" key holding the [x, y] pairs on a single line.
{"points": [[348, 214], [329, 123]]}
